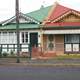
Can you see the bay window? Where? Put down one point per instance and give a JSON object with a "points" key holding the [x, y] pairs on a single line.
{"points": [[72, 43]]}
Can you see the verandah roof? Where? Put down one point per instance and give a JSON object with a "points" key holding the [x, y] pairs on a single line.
{"points": [[68, 31], [62, 24], [21, 26]]}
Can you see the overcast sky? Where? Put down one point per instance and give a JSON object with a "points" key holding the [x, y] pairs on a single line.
{"points": [[7, 7]]}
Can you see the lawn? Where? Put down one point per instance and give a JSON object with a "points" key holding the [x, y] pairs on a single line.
{"points": [[70, 56]]}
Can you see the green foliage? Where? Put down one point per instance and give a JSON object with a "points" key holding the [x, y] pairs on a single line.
{"points": [[11, 52], [0, 54], [70, 56], [5, 54]]}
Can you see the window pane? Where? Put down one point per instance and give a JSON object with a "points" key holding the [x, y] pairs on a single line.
{"points": [[68, 38], [76, 47], [68, 47], [26, 37], [22, 37], [75, 38], [26, 40], [71, 38], [4, 37]]}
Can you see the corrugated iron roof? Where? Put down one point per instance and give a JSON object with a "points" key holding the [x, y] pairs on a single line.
{"points": [[40, 14]]}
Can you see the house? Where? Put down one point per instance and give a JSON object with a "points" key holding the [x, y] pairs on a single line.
{"points": [[61, 31], [52, 30], [29, 31]]}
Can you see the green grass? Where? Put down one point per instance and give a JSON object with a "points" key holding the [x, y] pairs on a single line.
{"points": [[70, 56], [60, 57]]}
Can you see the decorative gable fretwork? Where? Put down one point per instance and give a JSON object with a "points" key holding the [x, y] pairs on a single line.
{"points": [[22, 19], [71, 16]]}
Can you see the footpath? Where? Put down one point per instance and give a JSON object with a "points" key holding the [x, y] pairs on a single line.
{"points": [[39, 62]]}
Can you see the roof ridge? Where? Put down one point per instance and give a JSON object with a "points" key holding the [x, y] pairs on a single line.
{"points": [[56, 11], [38, 9], [52, 8]]}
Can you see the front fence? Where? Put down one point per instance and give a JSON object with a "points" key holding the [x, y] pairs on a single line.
{"points": [[25, 49]]}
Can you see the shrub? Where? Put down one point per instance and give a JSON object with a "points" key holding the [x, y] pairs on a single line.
{"points": [[0, 52], [12, 53], [5, 54]]}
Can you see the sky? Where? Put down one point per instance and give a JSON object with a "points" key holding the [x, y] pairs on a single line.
{"points": [[7, 7]]}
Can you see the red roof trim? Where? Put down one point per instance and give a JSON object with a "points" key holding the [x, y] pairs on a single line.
{"points": [[62, 24]]}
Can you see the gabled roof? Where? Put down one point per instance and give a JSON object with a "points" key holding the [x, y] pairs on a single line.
{"points": [[40, 14], [60, 11], [27, 19]]}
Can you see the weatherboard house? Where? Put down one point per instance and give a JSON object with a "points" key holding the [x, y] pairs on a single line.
{"points": [[49, 31], [29, 32], [61, 31]]}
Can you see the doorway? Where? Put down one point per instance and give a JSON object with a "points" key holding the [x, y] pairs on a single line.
{"points": [[34, 39]]}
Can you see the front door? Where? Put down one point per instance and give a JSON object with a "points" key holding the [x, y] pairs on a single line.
{"points": [[33, 39], [50, 42]]}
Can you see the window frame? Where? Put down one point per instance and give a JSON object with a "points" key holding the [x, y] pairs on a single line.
{"points": [[72, 43], [24, 38]]}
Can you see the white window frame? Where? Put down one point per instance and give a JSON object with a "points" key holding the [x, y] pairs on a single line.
{"points": [[24, 33], [73, 45]]}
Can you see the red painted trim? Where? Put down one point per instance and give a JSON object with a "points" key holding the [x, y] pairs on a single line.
{"points": [[62, 24]]}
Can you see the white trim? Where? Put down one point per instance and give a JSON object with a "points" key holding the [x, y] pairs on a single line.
{"points": [[39, 37], [8, 21], [76, 31], [24, 16]]}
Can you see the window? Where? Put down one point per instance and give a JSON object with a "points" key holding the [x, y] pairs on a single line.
{"points": [[67, 38], [11, 37], [71, 38], [7, 38], [4, 37], [72, 43], [75, 38], [24, 37]]}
